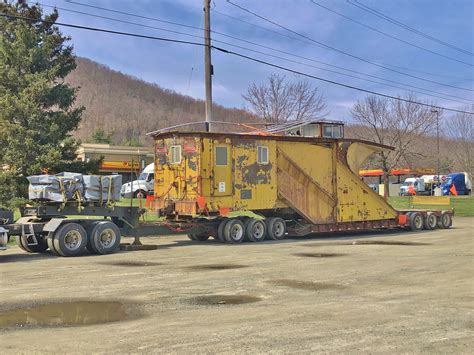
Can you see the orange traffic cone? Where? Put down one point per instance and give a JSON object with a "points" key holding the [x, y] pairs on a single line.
{"points": [[453, 190]]}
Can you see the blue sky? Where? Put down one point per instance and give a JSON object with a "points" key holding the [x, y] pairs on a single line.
{"points": [[169, 65]]}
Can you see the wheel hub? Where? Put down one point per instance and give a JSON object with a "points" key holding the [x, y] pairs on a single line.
{"points": [[72, 240], [107, 237]]}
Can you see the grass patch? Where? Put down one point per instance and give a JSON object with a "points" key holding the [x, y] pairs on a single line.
{"points": [[463, 205]]}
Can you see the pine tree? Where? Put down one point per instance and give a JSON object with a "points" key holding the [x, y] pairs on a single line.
{"points": [[37, 112]]}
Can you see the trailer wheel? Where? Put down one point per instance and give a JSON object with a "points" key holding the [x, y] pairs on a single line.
{"points": [[220, 230], [445, 221], [430, 221], [105, 237], [234, 231], [255, 230], [276, 228], [416, 221], [90, 230], [41, 247], [50, 242], [70, 239]]}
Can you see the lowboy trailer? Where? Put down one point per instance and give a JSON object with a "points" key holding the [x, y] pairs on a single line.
{"points": [[235, 188]]}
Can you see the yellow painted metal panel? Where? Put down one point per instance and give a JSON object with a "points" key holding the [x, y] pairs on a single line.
{"points": [[222, 169], [431, 200], [302, 193], [357, 201]]}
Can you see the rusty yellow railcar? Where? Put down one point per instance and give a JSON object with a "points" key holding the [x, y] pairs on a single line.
{"points": [[255, 186]]}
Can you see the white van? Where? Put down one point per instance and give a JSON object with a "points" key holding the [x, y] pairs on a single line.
{"points": [[141, 187]]}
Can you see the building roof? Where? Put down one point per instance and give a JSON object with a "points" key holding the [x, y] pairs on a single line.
{"points": [[113, 149]]}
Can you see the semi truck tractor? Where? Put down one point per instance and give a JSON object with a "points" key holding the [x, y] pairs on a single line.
{"points": [[461, 182], [141, 187]]}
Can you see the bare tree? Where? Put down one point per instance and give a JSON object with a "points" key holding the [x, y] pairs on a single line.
{"points": [[280, 100], [395, 123], [461, 129]]}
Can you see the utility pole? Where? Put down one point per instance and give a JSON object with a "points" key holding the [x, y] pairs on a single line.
{"points": [[437, 142], [208, 69]]}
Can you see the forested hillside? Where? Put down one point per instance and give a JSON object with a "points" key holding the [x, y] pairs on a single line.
{"points": [[129, 108]]}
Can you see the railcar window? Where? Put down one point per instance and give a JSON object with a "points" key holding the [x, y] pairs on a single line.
{"points": [[175, 154], [262, 154], [221, 155]]}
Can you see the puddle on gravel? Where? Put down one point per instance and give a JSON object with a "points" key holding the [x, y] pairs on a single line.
{"points": [[319, 255], [306, 285], [65, 314], [131, 263], [215, 267], [216, 300]]}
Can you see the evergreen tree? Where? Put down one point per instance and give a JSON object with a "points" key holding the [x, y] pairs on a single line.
{"points": [[37, 113]]}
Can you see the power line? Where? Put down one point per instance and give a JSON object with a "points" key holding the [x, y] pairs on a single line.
{"points": [[95, 29], [313, 44], [405, 26], [118, 20], [134, 15], [341, 51], [284, 52], [349, 75], [235, 18], [389, 35], [337, 83]]}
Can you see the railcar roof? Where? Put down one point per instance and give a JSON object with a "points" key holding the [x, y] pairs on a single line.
{"points": [[262, 136]]}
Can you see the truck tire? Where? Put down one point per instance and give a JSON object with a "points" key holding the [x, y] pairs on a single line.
{"points": [[89, 230], [276, 228], [70, 239], [50, 242], [416, 221], [140, 194], [105, 237], [234, 231], [255, 230], [430, 221], [220, 230], [445, 220], [41, 247]]}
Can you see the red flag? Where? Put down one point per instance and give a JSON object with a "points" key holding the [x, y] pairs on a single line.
{"points": [[453, 190]]}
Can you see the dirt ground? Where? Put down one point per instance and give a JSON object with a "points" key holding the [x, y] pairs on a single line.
{"points": [[374, 292]]}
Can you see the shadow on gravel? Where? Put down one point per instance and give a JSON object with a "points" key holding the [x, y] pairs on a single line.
{"points": [[306, 285], [368, 242], [212, 267], [217, 300], [319, 255], [24, 256], [131, 263]]}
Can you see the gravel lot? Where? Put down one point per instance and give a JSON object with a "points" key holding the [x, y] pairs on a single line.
{"points": [[375, 292]]}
